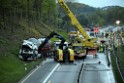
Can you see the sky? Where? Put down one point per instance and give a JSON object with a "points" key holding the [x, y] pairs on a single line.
{"points": [[102, 3]]}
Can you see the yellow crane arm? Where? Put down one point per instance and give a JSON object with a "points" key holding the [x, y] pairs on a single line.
{"points": [[74, 20]]}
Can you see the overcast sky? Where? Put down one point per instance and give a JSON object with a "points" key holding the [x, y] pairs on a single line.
{"points": [[102, 3]]}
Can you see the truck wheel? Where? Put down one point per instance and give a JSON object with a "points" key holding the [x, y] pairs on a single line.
{"points": [[55, 60], [35, 55], [35, 58], [55, 56], [84, 56], [66, 56], [25, 58]]}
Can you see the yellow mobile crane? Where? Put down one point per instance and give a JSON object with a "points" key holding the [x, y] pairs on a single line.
{"points": [[89, 44]]}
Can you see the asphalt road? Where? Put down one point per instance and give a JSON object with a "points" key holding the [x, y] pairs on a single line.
{"points": [[66, 73], [52, 72], [38, 74], [93, 72]]}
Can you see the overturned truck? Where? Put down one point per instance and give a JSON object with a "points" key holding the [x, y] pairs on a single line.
{"points": [[29, 49]]}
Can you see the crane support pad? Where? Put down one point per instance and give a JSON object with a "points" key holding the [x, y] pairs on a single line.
{"points": [[60, 55], [71, 52]]}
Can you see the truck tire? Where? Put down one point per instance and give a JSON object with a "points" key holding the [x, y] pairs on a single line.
{"points": [[84, 57], [25, 58], [35, 54], [55, 56]]}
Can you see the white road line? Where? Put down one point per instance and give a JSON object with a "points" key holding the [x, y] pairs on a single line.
{"points": [[46, 79], [58, 68], [29, 75]]}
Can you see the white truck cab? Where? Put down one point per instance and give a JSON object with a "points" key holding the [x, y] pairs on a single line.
{"points": [[29, 49]]}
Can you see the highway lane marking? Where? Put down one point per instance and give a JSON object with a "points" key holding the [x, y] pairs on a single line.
{"points": [[46, 79], [58, 68], [29, 75]]}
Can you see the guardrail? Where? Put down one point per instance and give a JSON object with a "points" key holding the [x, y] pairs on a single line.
{"points": [[118, 63], [119, 66]]}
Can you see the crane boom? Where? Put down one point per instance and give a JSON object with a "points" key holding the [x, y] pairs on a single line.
{"points": [[74, 20], [60, 54], [88, 41], [52, 34]]}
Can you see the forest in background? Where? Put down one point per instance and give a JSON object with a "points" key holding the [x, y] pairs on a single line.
{"points": [[46, 11], [30, 11], [90, 16]]}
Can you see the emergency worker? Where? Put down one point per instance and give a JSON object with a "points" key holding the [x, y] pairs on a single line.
{"points": [[101, 47]]}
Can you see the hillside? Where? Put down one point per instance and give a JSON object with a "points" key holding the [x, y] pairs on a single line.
{"points": [[10, 42], [78, 8], [90, 16]]}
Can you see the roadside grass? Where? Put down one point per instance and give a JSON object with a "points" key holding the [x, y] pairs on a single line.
{"points": [[115, 69], [62, 33], [120, 53], [122, 34], [12, 69]]}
